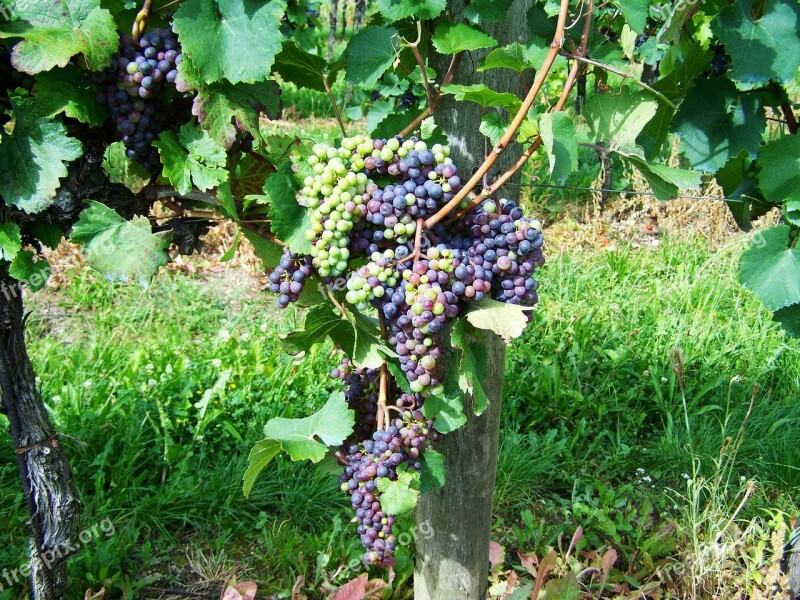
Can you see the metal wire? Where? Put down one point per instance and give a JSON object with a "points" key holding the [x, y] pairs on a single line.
{"points": [[611, 191]]}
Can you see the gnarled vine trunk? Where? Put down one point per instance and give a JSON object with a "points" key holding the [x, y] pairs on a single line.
{"points": [[42, 462], [453, 561]]}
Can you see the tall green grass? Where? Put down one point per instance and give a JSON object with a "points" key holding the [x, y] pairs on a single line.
{"points": [[168, 388]]}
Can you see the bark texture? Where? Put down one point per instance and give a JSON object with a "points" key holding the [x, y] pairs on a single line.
{"points": [[453, 563], [43, 466]]}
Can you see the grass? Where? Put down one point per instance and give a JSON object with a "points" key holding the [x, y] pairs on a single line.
{"points": [[168, 388]]}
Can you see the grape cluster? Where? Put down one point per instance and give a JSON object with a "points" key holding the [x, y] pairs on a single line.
{"points": [[380, 456], [372, 281], [289, 278], [138, 74], [720, 63], [361, 388]]}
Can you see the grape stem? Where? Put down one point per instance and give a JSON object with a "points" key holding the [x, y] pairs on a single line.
{"points": [[508, 136], [455, 62], [382, 415], [141, 20], [421, 62], [333, 104], [568, 85], [336, 303]]}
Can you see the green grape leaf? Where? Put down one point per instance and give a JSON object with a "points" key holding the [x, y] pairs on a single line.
{"points": [[742, 195], [789, 318], [715, 124], [635, 13], [771, 268], [480, 11], [399, 497], [779, 176], [618, 118], [235, 40], [321, 322], [493, 127], [432, 474], [378, 113], [514, 56], [450, 38], [34, 273], [656, 133], [665, 181], [480, 94], [303, 68], [447, 410], [58, 30], [302, 439], [680, 67], [268, 251], [506, 320], [49, 234], [369, 53], [395, 10], [227, 203], [676, 19], [33, 158], [763, 49], [368, 349], [121, 169], [289, 220], [471, 369], [791, 212], [10, 241], [120, 250], [561, 142], [68, 91], [191, 158], [223, 108]]}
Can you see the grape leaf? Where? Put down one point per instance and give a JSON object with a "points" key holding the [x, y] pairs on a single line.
{"points": [[432, 474], [191, 158], [223, 108], [303, 68], [378, 113], [399, 497], [742, 196], [635, 13], [771, 268], [369, 53], [447, 410], [268, 251], [49, 234], [321, 322], [680, 67], [33, 272], [715, 124], [395, 10], [791, 212], [33, 157], [617, 118], [479, 11], [227, 203], [57, 30], [560, 140], [779, 177], [120, 250], [470, 367], [665, 181], [289, 219], [450, 38], [506, 320], [789, 318], [514, 56], [68, 91], [235, 40], [763, 49], [121, 169], [302, 439], [480, 94], [493, 127], [10, 241]]}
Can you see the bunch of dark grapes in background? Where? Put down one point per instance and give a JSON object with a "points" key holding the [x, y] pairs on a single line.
{"points": [[289, 278], [139, 74], [720, 63]]}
